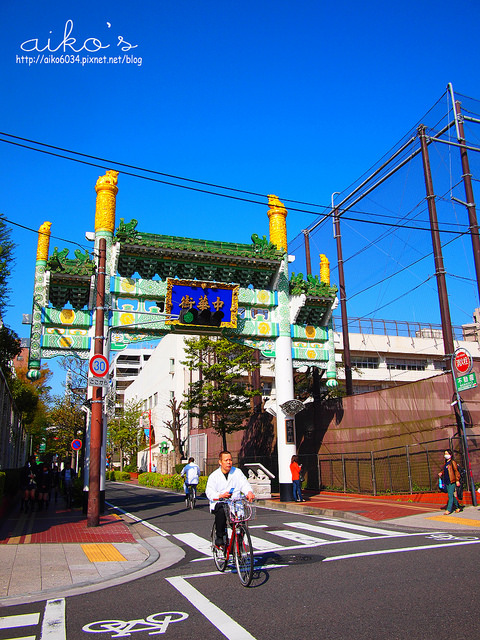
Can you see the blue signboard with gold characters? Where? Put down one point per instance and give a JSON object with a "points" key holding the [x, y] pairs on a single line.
{"points": [[201, 304]]}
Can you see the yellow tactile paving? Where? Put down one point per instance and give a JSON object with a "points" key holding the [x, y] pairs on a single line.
{"points": [[467, 521], [102, 552]]}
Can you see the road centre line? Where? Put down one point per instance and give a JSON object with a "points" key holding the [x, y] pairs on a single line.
{"points": [[145, 523], [403, 549], [53, 626]]}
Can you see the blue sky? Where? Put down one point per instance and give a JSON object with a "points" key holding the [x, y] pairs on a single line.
{"points": [[292, 98]]}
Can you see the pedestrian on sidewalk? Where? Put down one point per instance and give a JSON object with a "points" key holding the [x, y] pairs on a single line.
{"points": [[451, 479], [44, 481], [296, 470], [28, 484]]}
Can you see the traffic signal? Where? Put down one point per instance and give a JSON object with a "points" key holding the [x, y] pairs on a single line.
{"points": [[204, 318]]}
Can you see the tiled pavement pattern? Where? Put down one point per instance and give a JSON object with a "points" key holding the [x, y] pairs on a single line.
{"points": [[367, 507], [57, 525]]}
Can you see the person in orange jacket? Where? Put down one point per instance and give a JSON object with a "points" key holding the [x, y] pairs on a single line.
{"points": [[295, 469]]}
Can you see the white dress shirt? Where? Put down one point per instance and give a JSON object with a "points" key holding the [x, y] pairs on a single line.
{"points": [[217, 483]]}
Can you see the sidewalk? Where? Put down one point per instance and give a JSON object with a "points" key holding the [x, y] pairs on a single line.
{"points": [[52, 553], [49, 554]]}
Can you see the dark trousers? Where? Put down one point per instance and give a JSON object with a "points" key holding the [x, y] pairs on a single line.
{"points": [[220, 520]]}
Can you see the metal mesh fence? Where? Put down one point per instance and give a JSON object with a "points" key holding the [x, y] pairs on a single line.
{"points": [[409, 469]]}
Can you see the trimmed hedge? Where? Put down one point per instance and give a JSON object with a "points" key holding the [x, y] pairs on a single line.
{"points": [[174, 482], [121, 476]]}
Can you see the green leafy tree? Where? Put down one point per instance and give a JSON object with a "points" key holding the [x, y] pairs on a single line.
{"points": [[10, 347], [66, 423], [7, 248], [31, 399], [125, 432], [221, 396]]}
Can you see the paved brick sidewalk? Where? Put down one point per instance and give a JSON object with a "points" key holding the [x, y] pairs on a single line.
{"points": [[59, 525]]}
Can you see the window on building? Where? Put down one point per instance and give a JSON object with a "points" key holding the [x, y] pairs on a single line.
{"points": [[172, 395], [172, 365], [440, 365], [155, 399], [406, 364], [365, 362], [150, 402]]}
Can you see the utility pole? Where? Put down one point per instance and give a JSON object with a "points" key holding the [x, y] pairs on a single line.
{"points": [[343, 305], [470, 203], [96, 428], [437, 248]]}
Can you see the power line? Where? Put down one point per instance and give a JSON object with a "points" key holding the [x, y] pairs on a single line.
{"points": [[206, 191]]}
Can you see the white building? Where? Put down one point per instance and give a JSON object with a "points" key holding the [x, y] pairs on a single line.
{"points": [[126, 366], [388, 353]]}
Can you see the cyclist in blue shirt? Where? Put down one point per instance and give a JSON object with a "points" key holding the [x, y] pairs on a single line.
{"points": [[191, 471]]}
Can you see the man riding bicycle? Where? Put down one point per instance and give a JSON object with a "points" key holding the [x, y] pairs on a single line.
{"points": [[191, 471], [225, 482]]}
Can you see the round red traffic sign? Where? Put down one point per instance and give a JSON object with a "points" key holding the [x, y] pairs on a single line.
{"points": [[462, 361], [98, 365], [76, 445]]}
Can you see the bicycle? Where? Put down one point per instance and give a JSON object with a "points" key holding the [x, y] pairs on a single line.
{"points": [[191, 498], [239, 512]]}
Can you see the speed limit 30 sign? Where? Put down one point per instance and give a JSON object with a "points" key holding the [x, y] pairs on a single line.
{"points": [[98, 365]]}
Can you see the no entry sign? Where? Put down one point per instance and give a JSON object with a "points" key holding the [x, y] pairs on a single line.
{"points": [[462, 362]]}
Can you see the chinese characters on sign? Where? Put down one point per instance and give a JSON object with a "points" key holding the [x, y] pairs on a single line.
{"points": [[196, 303]]}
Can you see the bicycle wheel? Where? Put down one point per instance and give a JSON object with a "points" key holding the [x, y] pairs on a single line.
{"points": [[192, 498], [218, 554], [244, 555]]}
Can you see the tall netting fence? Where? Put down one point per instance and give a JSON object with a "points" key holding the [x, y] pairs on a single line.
{"points": [[412, 468]]}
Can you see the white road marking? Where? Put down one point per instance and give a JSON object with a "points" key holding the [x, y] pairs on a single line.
{"points": [[259, 544], [145, 523], [202, 545], [53, 626], [23, 638], [358, 527], [25, 620], [402, 550], [224, 623], [335, 533], [295, 536]]}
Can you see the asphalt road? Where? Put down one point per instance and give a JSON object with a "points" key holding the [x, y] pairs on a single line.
{"points": [[315, 577]]}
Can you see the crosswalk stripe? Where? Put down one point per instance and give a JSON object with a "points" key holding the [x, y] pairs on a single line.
{"points": [[296, 536], [264, 545], [25, 620], [359, 527], [23, 638], [198, 543], [335, 533]]}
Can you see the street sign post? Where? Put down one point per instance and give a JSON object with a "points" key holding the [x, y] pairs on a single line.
{"points": [[98, 382], [466, 382], [98, 365], [461, 366]]}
